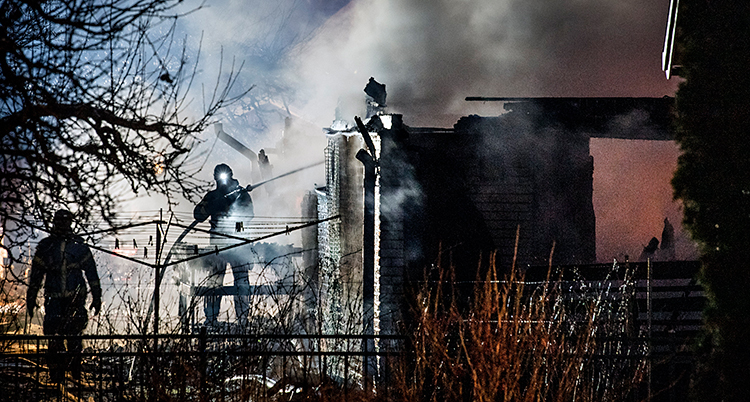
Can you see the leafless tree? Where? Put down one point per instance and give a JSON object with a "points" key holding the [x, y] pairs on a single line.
{"points": [[94, 105]]}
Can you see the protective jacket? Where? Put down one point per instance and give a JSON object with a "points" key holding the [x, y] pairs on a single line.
{"points": [[61, 262], [229, 206], [226, 206]]}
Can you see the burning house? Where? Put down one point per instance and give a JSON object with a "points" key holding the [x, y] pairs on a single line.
{"points": [[514, 184], [397, 198]]}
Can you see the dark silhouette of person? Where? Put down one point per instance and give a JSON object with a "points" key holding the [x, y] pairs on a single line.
{"points": [[61, 261], [266, 170], [649, 251], [229, 206], [264, 164], [666, 252]]}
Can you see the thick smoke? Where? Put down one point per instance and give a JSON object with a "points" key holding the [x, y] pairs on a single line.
{"points": [[432, 54], [312, 59]]}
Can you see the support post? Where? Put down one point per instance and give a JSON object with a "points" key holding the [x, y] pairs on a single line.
{"points": [[368, 260], [157, 274], [370, 163]]}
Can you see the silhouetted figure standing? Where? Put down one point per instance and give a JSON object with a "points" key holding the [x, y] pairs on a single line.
{"points": [[229, 206], [61, 261], [264, 164], [666, 252], [266, 170]]}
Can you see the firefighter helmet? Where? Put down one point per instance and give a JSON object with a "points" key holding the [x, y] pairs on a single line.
{"points": [[222, 172]]}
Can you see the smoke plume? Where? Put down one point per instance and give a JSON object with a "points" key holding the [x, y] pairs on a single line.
{"points": [[432, 54], [312, 59]]}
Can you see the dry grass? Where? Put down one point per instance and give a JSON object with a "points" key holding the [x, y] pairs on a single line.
{"points": [[519, 342], [509, 340]]}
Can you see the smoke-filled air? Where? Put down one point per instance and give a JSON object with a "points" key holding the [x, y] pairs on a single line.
{"points": [[418, 200], [309, 60]]}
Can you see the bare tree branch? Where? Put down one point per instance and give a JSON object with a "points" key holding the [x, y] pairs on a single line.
{"points": [[95, 105]]}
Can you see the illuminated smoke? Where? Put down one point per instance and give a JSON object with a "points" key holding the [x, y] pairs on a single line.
{"points": [[433, 54], [308, 61]]}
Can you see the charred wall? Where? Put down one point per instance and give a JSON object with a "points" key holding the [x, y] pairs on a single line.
{"points": [[462, 193], [491, 176], [400, 197], [529, 168]]}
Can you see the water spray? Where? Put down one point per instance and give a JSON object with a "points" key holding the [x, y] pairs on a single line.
{"points": [[251, 187]]}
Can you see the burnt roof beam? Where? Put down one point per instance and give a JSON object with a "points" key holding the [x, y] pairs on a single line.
{"points": [[637, 118]]}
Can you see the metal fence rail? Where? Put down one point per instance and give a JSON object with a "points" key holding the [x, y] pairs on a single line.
{"points": [[665, 307], [667, 315], [204, 367]]}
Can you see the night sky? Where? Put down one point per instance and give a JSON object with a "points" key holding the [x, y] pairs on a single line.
{"points": [[315, 56]]}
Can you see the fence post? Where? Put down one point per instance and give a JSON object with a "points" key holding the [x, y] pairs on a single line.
{"points": [[157, 275], [202, 364]]}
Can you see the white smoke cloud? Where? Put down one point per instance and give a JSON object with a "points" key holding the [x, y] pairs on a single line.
{"points": [[430, 54], [435, 53]]}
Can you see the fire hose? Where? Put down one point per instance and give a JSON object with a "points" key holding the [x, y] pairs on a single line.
{"points": [[163, 266], [189, 228]]}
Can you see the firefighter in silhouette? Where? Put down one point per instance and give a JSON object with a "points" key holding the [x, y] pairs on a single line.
{"points": [[229, 207], [264, 164], [666, 252], [61, 261], [265, 168]]}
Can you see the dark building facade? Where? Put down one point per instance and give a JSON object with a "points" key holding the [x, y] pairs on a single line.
{"points": [[527, 170], [512, 185]]}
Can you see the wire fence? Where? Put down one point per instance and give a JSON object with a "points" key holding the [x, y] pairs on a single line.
{"points": [[203, 367], [658, 306]]}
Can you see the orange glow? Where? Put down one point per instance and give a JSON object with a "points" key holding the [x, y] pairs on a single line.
{"points": [[159, 165], [633, 195], [128, 252]]}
